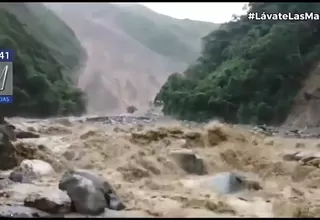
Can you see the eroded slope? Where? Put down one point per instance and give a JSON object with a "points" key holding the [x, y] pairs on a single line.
{"points": [[131, 51]]}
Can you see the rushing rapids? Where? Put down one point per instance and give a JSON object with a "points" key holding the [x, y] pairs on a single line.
{"points": [[155, 166]]}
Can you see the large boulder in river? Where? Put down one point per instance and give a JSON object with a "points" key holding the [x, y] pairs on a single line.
{"points": [[30, 170], [131, 109], [37, 167], [7, 156], [89, 193]]}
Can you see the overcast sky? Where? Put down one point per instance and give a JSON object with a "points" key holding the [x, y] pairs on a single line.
{"points": [[214, 12]]}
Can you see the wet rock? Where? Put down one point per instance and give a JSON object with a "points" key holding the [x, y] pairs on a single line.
{"points": [[305, 157], [8, 133], [4, 182], [229, 182], [89, 193], [8, 161], [189, 161], [131, 109], [37, 167], [20, 212], [26, 134], [19, 176], [52, 201], [7, 150], [226, 183], [30, 170]]}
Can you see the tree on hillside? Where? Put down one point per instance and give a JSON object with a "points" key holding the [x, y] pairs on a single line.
{"points": [[249, 71]]}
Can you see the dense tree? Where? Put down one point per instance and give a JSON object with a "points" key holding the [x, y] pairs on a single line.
{"points": [[249, 70], [41, 83]]}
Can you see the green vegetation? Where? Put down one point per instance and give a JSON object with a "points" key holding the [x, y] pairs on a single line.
{"points": [[249, 71], [43, 61], [179, 39], [46, 27]]}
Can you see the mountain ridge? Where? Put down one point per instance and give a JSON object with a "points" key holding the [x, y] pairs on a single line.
{"points": [[131, 50]]}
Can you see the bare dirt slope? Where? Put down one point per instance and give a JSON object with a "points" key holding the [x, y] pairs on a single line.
{"points": [[307, 103], [136, 161], [131, 51]]}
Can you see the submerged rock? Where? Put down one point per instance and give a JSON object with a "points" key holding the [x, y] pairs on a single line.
{"points": [[51, 201]]}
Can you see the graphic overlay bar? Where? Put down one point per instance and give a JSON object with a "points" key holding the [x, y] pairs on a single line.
{"points": [[6, 77]]}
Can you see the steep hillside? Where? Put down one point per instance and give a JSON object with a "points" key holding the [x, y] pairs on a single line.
{"points": [[41, 63], [305, 111], [46, 27], [249, 71], [131, 50]]}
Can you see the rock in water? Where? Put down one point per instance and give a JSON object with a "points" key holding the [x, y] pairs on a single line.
{"points": [[112, 199], [37, 167], [8, 132], [131, 109], [89, 193], [7, 151], [19, 176], [52, 201], [189, 161], [226, 183], [26, 134], [30, 170]]}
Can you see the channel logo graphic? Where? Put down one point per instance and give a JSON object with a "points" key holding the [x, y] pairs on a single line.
{"points": [[6, 76]]}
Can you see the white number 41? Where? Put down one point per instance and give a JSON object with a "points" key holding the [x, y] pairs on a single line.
{"points": [[4, 55]]}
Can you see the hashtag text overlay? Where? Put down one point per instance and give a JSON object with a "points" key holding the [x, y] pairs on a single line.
{"points": [[283, 16]]}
